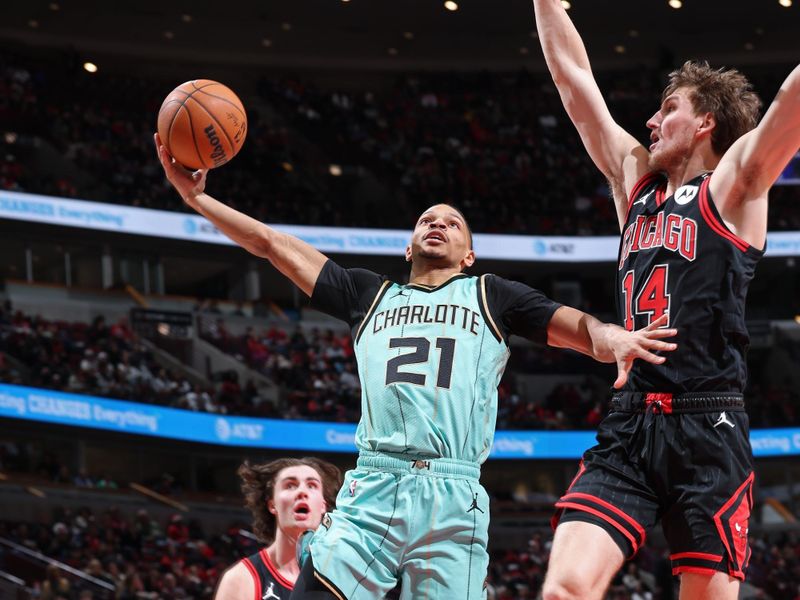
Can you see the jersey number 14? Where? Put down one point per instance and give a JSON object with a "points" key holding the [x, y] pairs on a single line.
{"points": [[652, 300]]}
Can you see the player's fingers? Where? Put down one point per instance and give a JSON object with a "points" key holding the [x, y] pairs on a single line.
{"points": [[655, 345], [163, 156], [623, 367], [660, 333], [649, 356], [659, 322], [199, 174]]}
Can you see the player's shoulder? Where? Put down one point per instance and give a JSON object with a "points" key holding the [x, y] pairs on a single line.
{"points": [[331, 267], [645, 183], [236, 583], [499, 284]]}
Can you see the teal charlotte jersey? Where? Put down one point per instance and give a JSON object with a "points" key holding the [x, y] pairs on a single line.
{"points": [[430, 359]]}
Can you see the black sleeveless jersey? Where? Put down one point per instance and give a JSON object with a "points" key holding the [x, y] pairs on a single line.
{"points": [[269, 582], [677, 255]]}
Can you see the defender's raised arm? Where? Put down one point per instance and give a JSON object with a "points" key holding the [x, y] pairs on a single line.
{"points": [[751, 165], [621, 158]]}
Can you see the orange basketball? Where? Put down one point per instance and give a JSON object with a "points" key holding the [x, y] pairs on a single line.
{"points": [[202, 124]]}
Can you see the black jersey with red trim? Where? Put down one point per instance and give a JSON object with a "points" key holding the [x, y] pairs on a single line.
{"points": [[677, 255], [269, 582]]}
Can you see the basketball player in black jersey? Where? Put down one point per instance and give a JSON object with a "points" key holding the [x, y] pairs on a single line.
{"points": [[692, 210], [287, 497]]}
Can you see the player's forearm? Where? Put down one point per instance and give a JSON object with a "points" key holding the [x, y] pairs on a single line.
{"points": [[247, 232], [293, 257], [563, 47], [790, 95], [601, 336], [574, 329]]}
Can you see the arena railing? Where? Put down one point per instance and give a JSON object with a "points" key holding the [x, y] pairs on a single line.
{"points": [[37, 559], [13, 587]]}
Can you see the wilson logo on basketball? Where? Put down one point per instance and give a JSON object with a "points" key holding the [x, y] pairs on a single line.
{"points": [[218, 153], [241, 127]]}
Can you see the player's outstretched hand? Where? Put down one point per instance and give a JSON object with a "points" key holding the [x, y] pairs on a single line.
{"points": [[627, 346], [189, 184]]}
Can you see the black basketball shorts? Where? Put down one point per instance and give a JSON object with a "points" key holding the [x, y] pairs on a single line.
{"points": [[683, 460]]}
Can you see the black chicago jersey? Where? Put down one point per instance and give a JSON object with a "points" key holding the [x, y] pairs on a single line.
{"points": [[677, 255], [268, 581]]}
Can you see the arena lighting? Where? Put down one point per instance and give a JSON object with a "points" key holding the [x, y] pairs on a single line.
{"points": [[286, 26], [566, 4], [392, 51], [335, 170], [676, 4], [450, 5], [266, 42], [90, 67], [523, 50], [169, 35], [33, 23], [54, 6], [785, 3], [409, 35], [186, 18], [619, 49]]}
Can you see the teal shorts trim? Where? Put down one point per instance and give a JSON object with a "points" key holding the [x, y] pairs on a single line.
{"points": [[429, 467], [424, 525]]}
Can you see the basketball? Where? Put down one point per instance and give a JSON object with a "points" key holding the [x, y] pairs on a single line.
{"points": [[202, 123]]}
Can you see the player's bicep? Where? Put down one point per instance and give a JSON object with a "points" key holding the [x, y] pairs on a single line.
{"points": [[520, 309], [345, 293], [296, 259]]}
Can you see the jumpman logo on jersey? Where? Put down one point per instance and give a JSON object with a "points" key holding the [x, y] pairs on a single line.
{"points": [[474, 505], [643, 199], [401, 293], [270, 592], [723, 418]]}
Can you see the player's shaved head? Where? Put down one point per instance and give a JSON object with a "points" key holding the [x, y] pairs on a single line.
{"points": [[458, 213]]}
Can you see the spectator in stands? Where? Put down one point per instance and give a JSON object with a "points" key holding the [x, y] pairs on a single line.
{"points": [[287, 497]]}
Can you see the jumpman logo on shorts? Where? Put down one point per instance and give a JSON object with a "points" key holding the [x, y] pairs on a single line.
{"points": [[474, 505], [270, 593], [723, 418]]}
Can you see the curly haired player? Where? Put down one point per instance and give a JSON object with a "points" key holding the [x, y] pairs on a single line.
{"points": [[287, 497]]}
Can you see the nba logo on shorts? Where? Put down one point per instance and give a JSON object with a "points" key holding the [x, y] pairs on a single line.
{"points": [[352, 488]]}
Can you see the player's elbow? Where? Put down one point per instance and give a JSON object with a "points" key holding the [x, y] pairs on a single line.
{"points": [[565, 591], [261, 242]]}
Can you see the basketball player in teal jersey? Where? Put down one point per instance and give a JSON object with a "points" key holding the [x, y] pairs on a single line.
{"points": [[430, 355]]}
